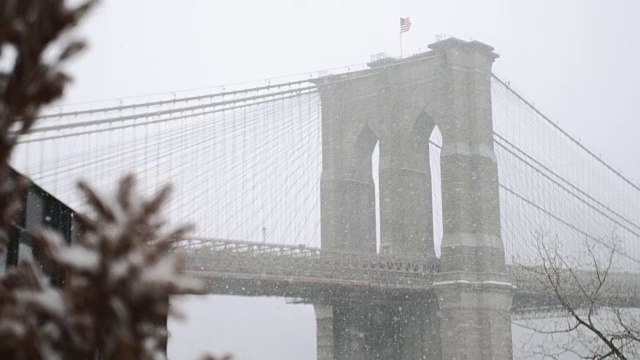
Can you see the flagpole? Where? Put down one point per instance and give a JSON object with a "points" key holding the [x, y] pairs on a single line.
{"points": [[405, 25]]}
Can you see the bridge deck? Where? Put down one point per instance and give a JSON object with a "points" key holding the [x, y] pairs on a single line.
{"points": [[247, 268], [259, 269]]}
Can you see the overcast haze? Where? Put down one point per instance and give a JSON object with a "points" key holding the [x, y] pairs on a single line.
{"points": [[577, 60]]}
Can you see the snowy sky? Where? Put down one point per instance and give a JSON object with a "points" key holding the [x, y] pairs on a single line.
{"points": [[576, 59]]}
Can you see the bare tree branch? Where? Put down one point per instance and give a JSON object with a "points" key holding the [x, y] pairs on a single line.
{"points": [[585, 291]]}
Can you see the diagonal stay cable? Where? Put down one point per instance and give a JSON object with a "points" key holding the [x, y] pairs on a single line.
{"points": [[165, 112], [499, 143], [571, 138]]}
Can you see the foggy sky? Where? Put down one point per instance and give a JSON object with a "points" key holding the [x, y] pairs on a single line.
{"points": [[577, 60]]}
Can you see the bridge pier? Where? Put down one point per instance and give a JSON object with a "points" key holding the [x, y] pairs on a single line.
{"points": [[474, 322], [408, 331], [324, 332], [413, 332], [351, 340], [431, 339]]}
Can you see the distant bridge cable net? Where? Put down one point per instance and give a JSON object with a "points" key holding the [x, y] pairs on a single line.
{"points": [[553, 187], [495, 78], [246, 172]]}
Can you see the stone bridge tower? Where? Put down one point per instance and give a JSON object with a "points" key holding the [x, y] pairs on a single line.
{"points": [[398, 103]]}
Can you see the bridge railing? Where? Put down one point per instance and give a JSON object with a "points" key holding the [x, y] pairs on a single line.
{"points": [[195, 245], [614, 289], [221, 257]]}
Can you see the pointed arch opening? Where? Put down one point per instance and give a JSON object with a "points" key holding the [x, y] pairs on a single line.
{"points": [[368, 148], [435, 148], [375, 173]]}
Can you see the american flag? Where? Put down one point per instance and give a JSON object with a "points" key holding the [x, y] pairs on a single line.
{"points": [[405, 24]]}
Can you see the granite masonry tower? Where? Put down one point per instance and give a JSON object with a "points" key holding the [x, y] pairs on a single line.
{"points": [[398, 103]]}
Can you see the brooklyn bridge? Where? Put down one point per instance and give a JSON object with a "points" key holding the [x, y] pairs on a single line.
{"points": [[407, 201]]}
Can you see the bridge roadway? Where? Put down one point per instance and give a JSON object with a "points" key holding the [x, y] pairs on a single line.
{"points": [[230, 267]]}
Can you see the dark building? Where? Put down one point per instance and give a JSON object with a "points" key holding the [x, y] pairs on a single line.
{"points": [[40, 210]]}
